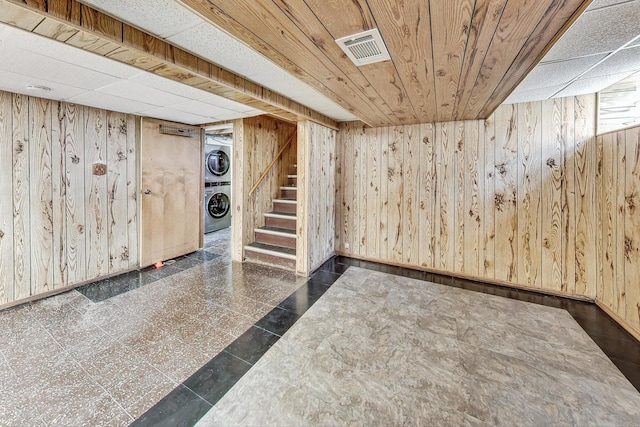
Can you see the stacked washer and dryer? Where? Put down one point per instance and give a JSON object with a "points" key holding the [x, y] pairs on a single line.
{"points": [[217, 183]]}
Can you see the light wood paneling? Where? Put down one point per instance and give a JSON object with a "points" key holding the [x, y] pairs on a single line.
{"points": [[552, 172], [316, 190], [445, 140], [383, 135], [53, 224], [472, 182], [58, 178], [117, 129], [460, 182], [505, 193], [568, 199], [586, 206], [96, 189], [632, 228], [41, 195], [21, 206], [256, 141], [427, 191], [529, 194], [395, 191], [6, 208], [133, 178], [618, 226], [489, 238], [75, 164], [489, 194], [411, 174], [240, 190]]}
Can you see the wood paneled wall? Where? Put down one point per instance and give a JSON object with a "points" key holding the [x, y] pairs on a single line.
{"points": [[61, 225], [256, 141], [316, 196], [618, 239], [510, 199]]}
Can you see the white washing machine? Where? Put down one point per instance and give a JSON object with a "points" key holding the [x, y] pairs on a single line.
{"points": [[217, 206]]}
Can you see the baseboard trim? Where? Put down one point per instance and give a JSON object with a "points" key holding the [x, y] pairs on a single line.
{"points": [[622, 322]]}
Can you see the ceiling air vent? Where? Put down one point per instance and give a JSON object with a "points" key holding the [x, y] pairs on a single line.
{"points": [[178, 131], [364, 48]]}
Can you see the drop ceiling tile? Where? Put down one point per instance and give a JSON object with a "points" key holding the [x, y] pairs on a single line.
{"points": [[218, 47], [162, 18], [339, 114], [531, 95], [599, 4], [598, 31], [166, 113], [17, 83], [232, 115], [202, 109], [278, 80], [592, 85], [70, 54], [621, 62], [168, 85], [226, 103], [35, 65], [136, 92], [558, 73], [110, 102], [6, 31]]}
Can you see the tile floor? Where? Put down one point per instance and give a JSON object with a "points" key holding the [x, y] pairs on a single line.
{"points": [[380, 349], [164, 347], [69, 361]]}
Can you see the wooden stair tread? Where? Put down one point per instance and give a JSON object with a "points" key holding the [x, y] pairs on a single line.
{"points": [[276, 230], [285, 215], [272, 250]]}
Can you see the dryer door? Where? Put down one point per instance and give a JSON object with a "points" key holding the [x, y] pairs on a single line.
{"points": [[219, 205], [218, 162]]}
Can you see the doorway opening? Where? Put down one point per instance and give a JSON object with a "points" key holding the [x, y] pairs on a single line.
{"points": [[218, 169]]}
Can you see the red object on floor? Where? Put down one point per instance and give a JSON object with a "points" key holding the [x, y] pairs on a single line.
{"points": [[158, 264]]}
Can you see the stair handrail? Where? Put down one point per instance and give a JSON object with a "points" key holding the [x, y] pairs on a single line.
{"points": [[266, 171]]}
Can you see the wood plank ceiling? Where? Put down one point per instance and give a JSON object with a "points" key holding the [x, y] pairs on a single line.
{"points": [[450, 60]]}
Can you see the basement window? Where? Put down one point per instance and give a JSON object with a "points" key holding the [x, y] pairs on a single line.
{"points": [[619, 105]]}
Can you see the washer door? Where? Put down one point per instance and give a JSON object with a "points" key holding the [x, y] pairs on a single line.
{"points": [[218, 162], [219, 205]]}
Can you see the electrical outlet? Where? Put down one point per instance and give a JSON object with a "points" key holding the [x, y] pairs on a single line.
{"points": [[99, 168], [346, 246]]}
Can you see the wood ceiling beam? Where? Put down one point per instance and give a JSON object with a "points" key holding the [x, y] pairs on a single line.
{"points": [[76, 24]]}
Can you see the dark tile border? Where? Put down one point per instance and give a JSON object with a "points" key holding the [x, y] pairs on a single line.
{"points": [[202, 390], [104, 289], [191, 400]]}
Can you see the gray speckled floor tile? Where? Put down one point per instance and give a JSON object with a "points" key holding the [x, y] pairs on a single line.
{"points": [[388, 350], [123, 354]]}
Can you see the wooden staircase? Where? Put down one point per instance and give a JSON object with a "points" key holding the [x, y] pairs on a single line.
{"points": [[275, 243]]}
